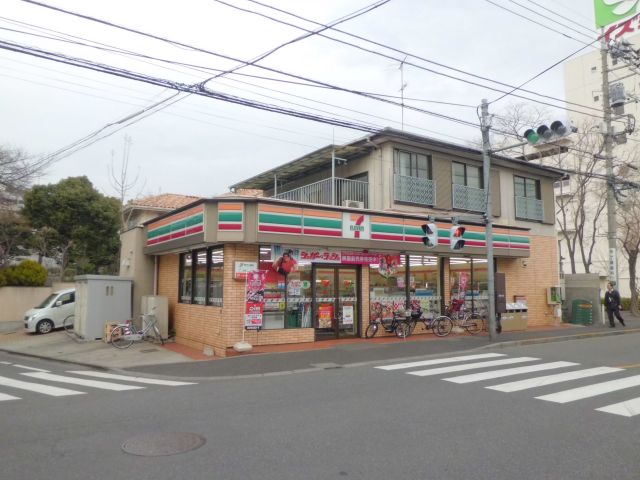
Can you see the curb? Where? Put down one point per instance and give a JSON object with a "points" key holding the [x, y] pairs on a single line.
{"points": [[61, 360], [564, 338]]}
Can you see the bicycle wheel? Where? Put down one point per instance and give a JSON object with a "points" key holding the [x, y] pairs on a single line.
{"points": [[442, 326], [474, 325], [371, 330], [69, 324], [158, 334], [117, 338], [403, 330]]}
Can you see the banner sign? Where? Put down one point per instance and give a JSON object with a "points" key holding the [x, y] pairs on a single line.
{"points": [[254, 299]]}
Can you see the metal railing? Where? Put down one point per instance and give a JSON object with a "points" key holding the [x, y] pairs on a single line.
{"points": [[529, 208], [320, 192], [469, 198], [420, 191]]}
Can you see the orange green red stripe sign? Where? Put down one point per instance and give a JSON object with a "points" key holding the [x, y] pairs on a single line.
{"points": [[180, 225], [230, 217]]}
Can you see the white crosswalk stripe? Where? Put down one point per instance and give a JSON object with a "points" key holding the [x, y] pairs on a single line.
{"points": [[4, 397], [594, 390], [439, 361], [552, 379], [627, 408], [471, 366], [81, 381], [477, 377], [37, 387], [112, 376]]}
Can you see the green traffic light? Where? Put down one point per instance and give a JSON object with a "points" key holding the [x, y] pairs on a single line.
{"points": [[531, 136]]}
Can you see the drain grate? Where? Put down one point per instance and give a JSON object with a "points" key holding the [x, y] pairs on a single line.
{"points": [[149, 350], [161, 444]]}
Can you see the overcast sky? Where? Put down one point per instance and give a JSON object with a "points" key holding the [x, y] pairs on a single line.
{"points": [[200, 146]]}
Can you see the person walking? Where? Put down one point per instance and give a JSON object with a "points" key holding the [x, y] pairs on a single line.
{"points": [[612, 305]]}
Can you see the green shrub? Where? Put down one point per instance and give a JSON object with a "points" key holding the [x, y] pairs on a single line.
{"points": [[3, 279], [28, 273]]}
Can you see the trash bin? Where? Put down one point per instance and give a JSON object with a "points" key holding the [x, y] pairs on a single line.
{"points": [[582, 312], [293, 320]]}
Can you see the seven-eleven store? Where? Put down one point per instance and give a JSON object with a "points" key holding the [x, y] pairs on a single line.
{"points": [[352, 266]]}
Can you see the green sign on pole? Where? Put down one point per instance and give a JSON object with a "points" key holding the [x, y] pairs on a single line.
{"points": [[612, 11]]}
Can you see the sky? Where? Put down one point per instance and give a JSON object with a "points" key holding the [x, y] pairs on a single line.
{"points": [[199, 145]]}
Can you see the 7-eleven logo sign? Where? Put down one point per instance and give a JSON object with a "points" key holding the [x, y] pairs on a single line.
{"points": [[355, 225]]}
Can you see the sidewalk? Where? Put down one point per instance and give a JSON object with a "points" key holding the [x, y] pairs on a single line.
{"points": [[177, 360]]}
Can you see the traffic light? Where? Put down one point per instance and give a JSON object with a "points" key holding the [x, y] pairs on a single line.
{"points": [[431, 235], [456, 242], [546, 133]]}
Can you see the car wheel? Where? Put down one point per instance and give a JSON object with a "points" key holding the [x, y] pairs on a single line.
{"points": [[44, 326]]}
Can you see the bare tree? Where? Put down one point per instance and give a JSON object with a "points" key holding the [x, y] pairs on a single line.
{"points": [[629, 235], [513, 121], [119, 178]]}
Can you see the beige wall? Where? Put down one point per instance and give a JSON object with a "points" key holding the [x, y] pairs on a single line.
{"points": [[135, 264], [16, 301]]}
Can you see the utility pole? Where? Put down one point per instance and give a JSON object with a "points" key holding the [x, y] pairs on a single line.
{"points": [[608, 152], [485, 126]]}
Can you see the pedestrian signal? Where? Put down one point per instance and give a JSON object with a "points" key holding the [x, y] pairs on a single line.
{"points": [[431, 235], [456, 242]]}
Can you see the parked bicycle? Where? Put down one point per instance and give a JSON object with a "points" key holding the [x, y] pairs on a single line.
{"points": [[462, 317], [398, 324], [123, 335], [440, 325]]}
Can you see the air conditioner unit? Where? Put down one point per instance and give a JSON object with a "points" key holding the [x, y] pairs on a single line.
{"points": [[352, 204]]}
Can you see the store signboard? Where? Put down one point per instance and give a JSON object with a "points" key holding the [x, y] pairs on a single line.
{"points": [[242, 268], [254, 299], [368, 258], [356, 225], [309, 254]]}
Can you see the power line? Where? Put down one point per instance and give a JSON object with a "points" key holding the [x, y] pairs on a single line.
{"points": [[411, 55], [590, 30]]}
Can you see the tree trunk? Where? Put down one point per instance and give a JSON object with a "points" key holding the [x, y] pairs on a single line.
{"points": [[633, 258]]}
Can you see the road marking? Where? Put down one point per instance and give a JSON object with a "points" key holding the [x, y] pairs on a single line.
{"points": [[628, 408], [477, 377], [151, 381], [552, 379], [471, 366], [81, 381], [37, 387], [439, 361], [5, 363], [4, 397], [589, 391], [30, 368]]}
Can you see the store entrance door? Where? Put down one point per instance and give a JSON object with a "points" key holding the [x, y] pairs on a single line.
{"points": [[335, 301]]}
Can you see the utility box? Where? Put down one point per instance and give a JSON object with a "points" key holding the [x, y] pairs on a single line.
{"points": [[158, 306], [101, 299]]}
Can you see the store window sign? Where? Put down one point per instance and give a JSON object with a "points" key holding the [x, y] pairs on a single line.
{"points": [[347, 315], [309, 254], [356, 225], [254, 299], [242, 268]]}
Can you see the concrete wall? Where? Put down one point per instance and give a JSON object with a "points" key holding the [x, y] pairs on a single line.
{"points": [[136, 265], [16, 301]]}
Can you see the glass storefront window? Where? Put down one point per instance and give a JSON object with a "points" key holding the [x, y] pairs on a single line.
{"points": [[186, 277], [424, 274], [216, 270], [287, 298], [468, 280], [387, 286], [200, 290]]}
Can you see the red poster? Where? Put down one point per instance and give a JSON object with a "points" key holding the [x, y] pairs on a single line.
{"points": [[325, 315], [254, 299], [462, 288]]}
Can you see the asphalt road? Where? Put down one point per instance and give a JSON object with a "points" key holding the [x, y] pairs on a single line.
{"points": [[358, 422]]}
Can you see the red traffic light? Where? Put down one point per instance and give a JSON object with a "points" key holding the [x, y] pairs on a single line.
{"points": [[456, 242], [457, 232]]}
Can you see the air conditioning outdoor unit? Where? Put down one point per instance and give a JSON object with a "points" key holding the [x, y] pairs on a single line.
{"points": [[352, 204]]}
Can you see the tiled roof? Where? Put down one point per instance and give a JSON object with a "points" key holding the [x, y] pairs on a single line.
{"points": [[168, 201], [243, 192]]}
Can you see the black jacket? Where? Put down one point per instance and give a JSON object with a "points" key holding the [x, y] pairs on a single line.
{"points": [[612, 300]]}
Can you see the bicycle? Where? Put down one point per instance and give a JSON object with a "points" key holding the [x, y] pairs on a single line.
{"points": [[441, 326], [124, 334], [472, 322], [398, 325]]}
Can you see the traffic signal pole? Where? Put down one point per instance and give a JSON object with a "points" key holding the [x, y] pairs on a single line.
{"points": [[608, 152], [486, 170]]}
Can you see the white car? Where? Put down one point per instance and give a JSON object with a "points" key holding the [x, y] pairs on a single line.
{"points": [[51, 312]]}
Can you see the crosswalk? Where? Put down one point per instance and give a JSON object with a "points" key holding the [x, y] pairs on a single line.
{"points": [[72, 382], [493, 366]]}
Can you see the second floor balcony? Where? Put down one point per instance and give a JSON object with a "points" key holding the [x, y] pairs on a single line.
{"points": [[419, 191], [529, 208], [469, 198], [330, 191]]}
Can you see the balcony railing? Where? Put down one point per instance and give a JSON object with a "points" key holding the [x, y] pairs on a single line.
{"points": [[420, 191], [347, 193], [529, 208], [468, 198]]}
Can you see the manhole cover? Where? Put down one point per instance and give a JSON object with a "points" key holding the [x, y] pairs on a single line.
{"points": [[159, 444]]}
